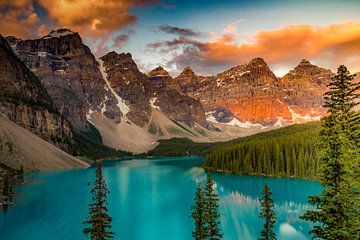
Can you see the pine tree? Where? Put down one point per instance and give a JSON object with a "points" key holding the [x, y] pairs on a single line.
{"points": [[21, 174], [198, 214], [99, 219], [268, 214], [6, 188], [212, 207], [336, 206]]}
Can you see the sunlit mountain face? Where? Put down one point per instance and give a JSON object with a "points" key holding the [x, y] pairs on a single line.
{"points": [[210, 36]]}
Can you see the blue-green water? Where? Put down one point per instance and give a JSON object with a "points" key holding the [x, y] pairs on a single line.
{"points": [[151, 199]]}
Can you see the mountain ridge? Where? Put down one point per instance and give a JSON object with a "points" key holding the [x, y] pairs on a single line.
{"points": [[245, 96]]}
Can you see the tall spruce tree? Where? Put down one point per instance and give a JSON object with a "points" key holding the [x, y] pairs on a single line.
{"points": [[21, 174], [337, 212], [99, 220], [6, 188], [268, 214], [198, 214], [212, 210]]}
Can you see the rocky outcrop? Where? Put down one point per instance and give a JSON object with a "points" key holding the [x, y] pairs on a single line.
{"points": [[70, 74], [165, 94], [252, 93], [139, 92], [25, 101], [304, 87], [128, 83]]}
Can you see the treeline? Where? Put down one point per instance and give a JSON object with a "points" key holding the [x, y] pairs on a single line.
{"points": [[89, 144], [178, 147], [286, 152]]}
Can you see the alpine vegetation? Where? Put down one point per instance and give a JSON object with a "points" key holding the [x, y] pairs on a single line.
{"points": [[98, 224], [205, 212]]}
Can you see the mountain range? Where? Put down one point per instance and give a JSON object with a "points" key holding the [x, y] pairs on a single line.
{"points": [[54, 85]]}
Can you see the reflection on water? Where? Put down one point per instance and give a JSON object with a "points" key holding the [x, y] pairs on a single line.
{"points": [[151, 199]]}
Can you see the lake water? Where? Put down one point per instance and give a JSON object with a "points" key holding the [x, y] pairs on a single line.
{"points": [[151, 199]]}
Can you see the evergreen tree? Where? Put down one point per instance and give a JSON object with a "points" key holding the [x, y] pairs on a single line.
{"points": [[268, 214], [99, 219], [21, 174], [6, 188], [211, 210], [198, 214], [336, 210]]}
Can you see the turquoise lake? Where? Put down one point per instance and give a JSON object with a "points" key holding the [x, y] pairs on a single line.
{"points": [[151, 199]]}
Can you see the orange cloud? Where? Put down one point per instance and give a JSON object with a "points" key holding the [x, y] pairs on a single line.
{"points": [[18, 18], [332, 45], [92, 18]]}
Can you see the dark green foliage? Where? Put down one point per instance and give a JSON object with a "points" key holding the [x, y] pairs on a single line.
{"points": [[268, 214], [337, 207], [99, 222], [212, 210], [21, 174], [89, 144], [177, 147], [205, 212], [198, 214], [287, 152], [6, 186]]}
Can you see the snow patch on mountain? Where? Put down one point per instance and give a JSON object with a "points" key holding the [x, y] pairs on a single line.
{"points": [[298, 118], [152, 103], [121, 102], [58, 33], [234, 122]]}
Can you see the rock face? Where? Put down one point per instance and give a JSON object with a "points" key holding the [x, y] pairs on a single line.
{"points": [[252, 93], [117, 94], [70, 74], [140, 93], [128, 83], [304, 87], [25, 101]]}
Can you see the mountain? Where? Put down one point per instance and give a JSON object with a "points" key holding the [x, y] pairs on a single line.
{"points": [[304, 87], [25, 101], [19, 147], [132, 110], [251, 94], [70, 74]]}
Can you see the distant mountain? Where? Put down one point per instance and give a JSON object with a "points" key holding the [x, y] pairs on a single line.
{"points": [[133, 110], [251, 94]]}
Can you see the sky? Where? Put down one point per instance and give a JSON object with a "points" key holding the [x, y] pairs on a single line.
{"points": [[208, 35]]}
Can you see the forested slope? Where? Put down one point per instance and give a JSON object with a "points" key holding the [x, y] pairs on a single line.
{"points": [[289, 152]]}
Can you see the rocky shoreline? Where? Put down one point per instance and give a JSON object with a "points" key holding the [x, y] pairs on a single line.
{"points": [[9, 179]]}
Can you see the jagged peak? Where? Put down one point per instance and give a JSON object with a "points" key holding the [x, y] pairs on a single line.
{"points": [[304, 63], [61, 32], [187, 71], [159, 71], [257, 61], [114, 54]]}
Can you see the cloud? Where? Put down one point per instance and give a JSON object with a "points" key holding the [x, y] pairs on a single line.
{"points": [[18, 18], [328, 46], [181, 31], [93, 18], [120, 40]]}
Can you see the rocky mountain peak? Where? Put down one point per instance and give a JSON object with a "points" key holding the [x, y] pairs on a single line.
{"points": [[305, 70], [158, 73], [59, 33], [123, 61], [257, 62], [256, 72], [304, 62], [187, 72]]}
